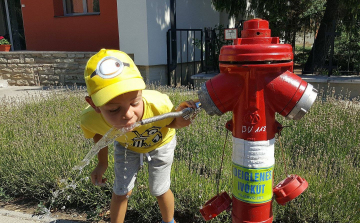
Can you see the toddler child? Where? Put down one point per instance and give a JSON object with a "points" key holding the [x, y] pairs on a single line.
{"points": [[117, 98]]}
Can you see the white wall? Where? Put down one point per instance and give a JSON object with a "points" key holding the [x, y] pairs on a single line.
{"points": [[195, 14], [143, 25], [158, 22], [133, 29]]}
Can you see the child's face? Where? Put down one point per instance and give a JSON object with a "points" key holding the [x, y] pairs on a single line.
{"points": [[124, 110]]}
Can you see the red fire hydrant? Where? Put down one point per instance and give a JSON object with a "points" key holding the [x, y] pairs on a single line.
{"points": [[255, 82]]}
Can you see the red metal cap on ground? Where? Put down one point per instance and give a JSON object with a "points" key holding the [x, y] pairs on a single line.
{"points": [[289, 189], [215, 206]]}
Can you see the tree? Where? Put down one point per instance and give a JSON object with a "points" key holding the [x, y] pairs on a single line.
{"points": [[286, 18], [232, 7], [336, 10]]}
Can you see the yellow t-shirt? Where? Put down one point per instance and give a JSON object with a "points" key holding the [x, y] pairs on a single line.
{"points": [[144, 138]]}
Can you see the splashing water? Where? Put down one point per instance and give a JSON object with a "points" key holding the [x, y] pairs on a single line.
{"points": [[107, 139], [64, 184]]}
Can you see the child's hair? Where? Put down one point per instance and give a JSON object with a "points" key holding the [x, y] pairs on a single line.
{"points": [[110, 73]]}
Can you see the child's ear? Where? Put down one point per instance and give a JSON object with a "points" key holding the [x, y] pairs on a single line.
{"points": [[91, 103]]}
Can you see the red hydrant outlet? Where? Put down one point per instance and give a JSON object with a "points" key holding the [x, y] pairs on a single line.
{"points": [[254, 83], [289, 189], [215, 206]]}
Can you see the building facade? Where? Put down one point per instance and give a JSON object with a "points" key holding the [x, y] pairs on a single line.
{"points": [[65, 25], [136, 27]]}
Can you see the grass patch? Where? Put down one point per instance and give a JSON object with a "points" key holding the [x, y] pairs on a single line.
{"points": [[41, 141]]}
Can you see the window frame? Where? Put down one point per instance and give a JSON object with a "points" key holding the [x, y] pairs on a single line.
{"points": [[85, 10]]}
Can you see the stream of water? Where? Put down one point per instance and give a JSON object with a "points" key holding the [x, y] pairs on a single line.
{"points": [[64, 183], [71, 180]]}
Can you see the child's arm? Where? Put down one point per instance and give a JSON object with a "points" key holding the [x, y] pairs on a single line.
{"points": [[96, 175], [180, 122]]}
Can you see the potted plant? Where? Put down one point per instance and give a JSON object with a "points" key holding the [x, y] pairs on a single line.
{"points": [[4, 44]]}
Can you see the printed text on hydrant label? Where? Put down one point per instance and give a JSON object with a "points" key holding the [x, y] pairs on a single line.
{"points": [[252, 185]]}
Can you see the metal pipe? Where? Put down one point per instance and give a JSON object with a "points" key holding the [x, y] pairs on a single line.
{"points": [[9, 25], [184, 113]]}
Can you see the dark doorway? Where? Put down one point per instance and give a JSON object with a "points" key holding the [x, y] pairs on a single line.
{"points": [[11, 23]]}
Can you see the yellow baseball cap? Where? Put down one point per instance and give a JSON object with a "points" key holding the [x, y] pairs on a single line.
{"points": [[110, 73]]}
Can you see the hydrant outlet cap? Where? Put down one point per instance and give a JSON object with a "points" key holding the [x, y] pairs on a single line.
{"points": [[289, 189], [215, 206]]}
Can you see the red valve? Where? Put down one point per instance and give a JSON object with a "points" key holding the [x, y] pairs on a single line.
{"points": [[215, 206], [289, 189]]}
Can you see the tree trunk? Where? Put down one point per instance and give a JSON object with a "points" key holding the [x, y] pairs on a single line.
{"points": [[293, 41], [318, 53]]}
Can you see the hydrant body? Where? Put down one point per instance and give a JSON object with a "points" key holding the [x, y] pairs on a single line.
{"points": [[255, 82]]}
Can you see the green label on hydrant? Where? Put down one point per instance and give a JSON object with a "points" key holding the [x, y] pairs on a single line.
{"points": [[252, 185]]}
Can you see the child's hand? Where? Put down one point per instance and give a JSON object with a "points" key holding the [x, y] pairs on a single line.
{"points": [[96, 175], [180, 122], [187, 104]]}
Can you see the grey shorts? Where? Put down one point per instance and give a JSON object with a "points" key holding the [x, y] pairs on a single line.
{"points": [[127, 165]]}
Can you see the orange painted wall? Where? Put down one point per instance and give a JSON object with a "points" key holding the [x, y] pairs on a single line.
{"points": [[46, 32]]}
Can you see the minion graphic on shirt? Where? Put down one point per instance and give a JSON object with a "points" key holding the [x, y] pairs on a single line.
{"points": [[148, 138]]}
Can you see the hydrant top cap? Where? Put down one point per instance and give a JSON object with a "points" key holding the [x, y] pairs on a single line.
{"points": [[256, 24], [256, 28], [256, 44]]}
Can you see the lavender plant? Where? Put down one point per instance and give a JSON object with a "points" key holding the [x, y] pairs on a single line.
{"points": [[41, 142]]}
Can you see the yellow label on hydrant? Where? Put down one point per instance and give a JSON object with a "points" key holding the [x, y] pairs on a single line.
{"points": [[252, 185]]}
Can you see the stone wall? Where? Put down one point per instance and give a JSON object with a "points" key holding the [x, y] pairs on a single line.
{"points": [[43, 68], [54, 68]]}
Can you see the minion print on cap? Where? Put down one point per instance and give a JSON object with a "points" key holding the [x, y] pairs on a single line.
{"points": [[109, 67], [110, 73]]}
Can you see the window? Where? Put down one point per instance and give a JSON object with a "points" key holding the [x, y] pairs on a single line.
{"points": [[78, 7]]}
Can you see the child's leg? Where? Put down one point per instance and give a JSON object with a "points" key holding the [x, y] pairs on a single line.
{"points": [[118, 207], [166, 204], [126, 166], [159, 178]]}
